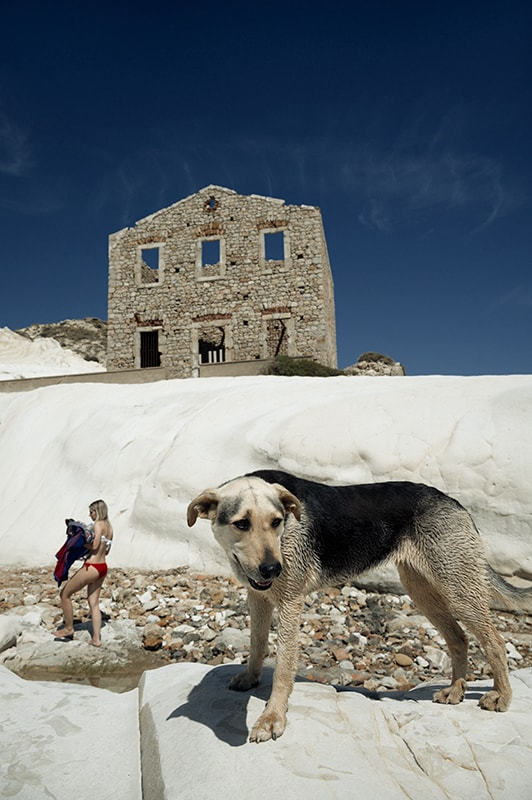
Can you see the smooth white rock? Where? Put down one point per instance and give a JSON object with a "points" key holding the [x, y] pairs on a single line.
{"points": [[64, 741], [10, 628], [336, 745], [37, 649], [149, 449], [33, 617], [189, 741], [21, 357]]}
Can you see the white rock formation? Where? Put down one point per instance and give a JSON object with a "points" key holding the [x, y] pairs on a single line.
{"points": [[149, 449], [10, 629], [85, 337], [21, 357], [336, 745], [59, 740], [186, 733]]}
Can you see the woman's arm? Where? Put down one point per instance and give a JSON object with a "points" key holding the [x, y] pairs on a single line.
{"points": [[99, 528]]}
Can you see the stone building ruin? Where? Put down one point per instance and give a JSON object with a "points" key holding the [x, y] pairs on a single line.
{"points": [[218, 283]]}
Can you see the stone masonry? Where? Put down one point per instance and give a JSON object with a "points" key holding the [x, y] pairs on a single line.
{"points": [[219, 278]]}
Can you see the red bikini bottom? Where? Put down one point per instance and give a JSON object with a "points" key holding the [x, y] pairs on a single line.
{"points": [[101, 568]]}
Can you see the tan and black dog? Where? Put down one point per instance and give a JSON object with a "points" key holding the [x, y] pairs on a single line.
{"points": [[285, 537]]}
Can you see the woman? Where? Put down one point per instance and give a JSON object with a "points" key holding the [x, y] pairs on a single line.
{"points": [[91, 574]]}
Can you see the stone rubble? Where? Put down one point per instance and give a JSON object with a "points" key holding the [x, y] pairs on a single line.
{"points": [[348, 636]]}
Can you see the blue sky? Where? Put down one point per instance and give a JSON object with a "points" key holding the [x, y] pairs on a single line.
{"points": [[408, 123]]}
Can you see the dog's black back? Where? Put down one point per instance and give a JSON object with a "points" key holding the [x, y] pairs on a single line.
{"points": [[354, 528]]}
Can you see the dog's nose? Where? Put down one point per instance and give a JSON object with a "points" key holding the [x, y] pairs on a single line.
{"points": [[270, 570]]}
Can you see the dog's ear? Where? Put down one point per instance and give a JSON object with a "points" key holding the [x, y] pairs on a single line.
{"points": [[204, 506], [289, 501]]}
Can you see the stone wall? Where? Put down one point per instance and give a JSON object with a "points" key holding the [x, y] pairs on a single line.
{"points": [[220, 277]]}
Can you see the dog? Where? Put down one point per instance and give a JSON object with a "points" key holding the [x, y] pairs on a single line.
{"points": [[286, 536]]}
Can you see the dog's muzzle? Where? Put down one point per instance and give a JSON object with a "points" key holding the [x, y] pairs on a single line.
{"points": [[268, 571]]}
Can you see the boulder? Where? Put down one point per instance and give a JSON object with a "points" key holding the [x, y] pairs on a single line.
{"points": [[10, 628], [375, 364]]}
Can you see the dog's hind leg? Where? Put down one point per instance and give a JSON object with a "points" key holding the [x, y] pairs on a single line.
{"points": [[469, 604], [260, 613], [436, 608], [468, 596], [475, 613]]}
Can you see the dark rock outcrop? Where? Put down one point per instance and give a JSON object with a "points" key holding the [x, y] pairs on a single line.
{"points": [[85, 337]]}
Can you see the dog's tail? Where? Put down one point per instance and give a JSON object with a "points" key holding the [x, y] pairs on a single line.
{"points": [[508, 596]]}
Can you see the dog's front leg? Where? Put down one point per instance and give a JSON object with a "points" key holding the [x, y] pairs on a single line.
{"points": [[260, 613], [272, 722]]}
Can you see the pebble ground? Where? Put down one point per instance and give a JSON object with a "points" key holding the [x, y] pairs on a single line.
{"points": [[348, 636]]}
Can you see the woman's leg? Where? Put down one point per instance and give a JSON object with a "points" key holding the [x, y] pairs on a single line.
{"points": [[93, 596], [76, 582]]}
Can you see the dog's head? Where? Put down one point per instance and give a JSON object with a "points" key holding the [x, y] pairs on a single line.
{"points": [[248, 517]]}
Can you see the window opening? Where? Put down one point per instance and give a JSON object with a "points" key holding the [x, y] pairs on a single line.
{"points": [[149, 349], [211, 346], [274, 246], [276, 338], [149, 264], [211, 204], [210, 252], [210, 257]]}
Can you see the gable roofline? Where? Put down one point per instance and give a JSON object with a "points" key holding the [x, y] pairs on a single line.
{"points": [[211, 189], [205, 189]]}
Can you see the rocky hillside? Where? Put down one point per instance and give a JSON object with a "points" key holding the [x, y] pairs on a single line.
{"points": [[86, 337]]}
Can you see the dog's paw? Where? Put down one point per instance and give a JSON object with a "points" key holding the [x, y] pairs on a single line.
{"points": [[268, 726], [452, 695], [243, 681], [494, 701]]}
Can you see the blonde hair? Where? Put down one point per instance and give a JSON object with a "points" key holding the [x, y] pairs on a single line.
{"points": [[100, 509]]}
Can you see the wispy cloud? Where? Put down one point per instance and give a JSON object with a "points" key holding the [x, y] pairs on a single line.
{"points": [[419, 183], [517, 296], [14, 148], [404, 190]]}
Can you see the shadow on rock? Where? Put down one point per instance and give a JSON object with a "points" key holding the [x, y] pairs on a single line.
{"points": [[213, 704], [423, 693]]}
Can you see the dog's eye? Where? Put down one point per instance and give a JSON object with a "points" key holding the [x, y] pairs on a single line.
{"points": [[276, 522], [242, 524]]}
